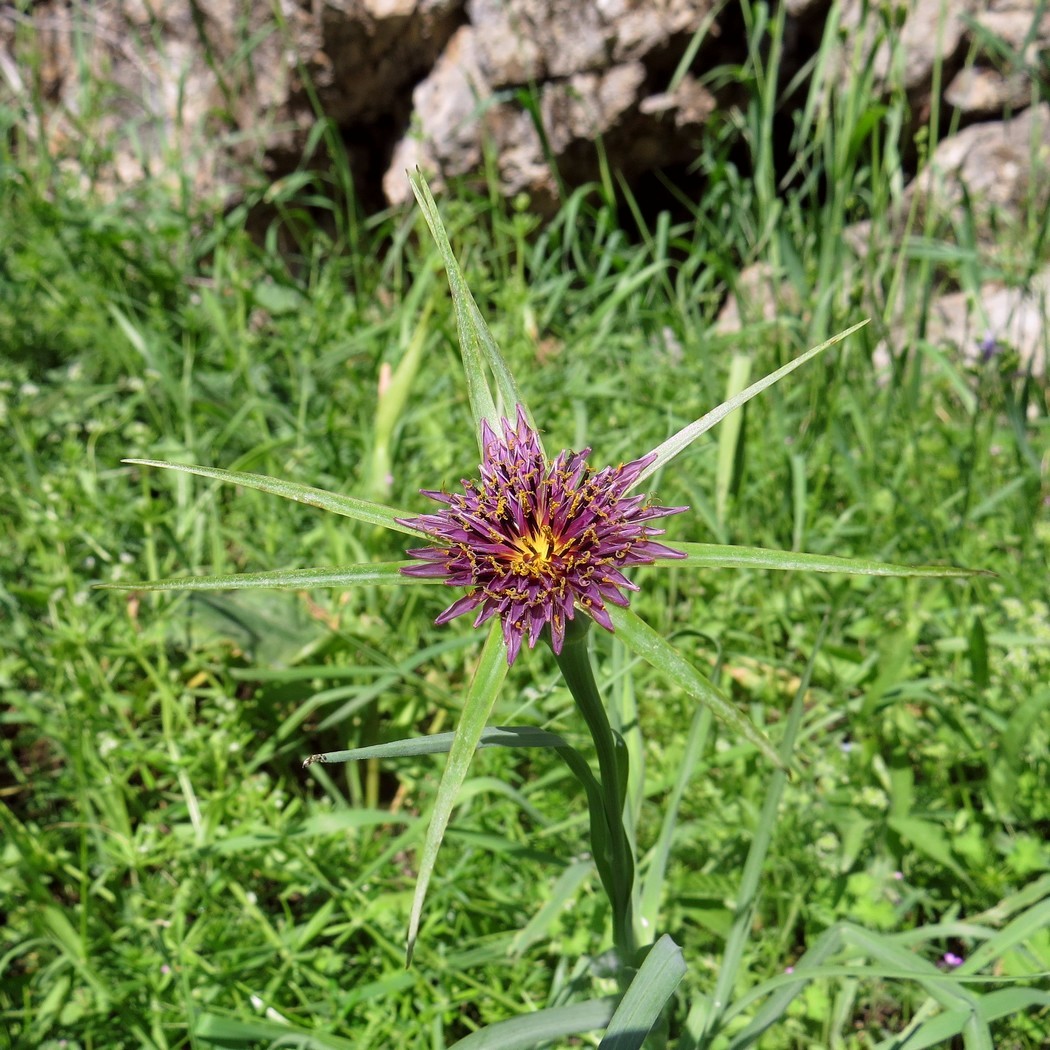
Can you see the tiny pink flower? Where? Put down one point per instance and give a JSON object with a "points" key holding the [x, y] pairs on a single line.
{"points": [[951, 959]]}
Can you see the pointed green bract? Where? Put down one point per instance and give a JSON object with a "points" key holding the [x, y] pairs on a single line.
{"points": [[348, 506], [640, 638], [721, 556], [484, 687], [477, 345], [387, 574], [677, 443]]}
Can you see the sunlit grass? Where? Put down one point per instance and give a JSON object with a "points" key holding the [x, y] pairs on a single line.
{"points": [[167, 865]]}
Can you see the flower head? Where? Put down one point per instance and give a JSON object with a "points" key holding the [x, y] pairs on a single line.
{"points": [[535, 542]]}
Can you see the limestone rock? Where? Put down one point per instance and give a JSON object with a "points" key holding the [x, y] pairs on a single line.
{"points": [[590, 67], [1012, 41], [222, 89], [997, 169], [930, 31], [998, 317]]}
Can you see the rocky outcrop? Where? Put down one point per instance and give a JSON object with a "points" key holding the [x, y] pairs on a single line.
{"points": [[989, 178], [594, 72], [234, 85]]}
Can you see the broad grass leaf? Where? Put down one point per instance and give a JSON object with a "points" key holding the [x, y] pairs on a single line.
{"points": [[234, 1032], [646, 996], [540, 1028], [930, 839]]}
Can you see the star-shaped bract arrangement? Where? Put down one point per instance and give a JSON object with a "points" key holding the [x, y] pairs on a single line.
{"points": [[535, 542]]}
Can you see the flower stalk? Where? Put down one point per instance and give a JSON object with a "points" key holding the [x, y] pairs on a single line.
{"points": [[616, 867]]}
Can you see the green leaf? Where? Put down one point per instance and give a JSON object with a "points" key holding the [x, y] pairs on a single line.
{"points": [[349, 506], [729, 437], [484, 686], [1023, 926], [931, 839], [532, 1030], [638, 636], [646, 997], [721, 556], [441, 744], [385, 573], [477, 345], [656, 869], [677, 443], [896, 963], [1007, 1001], [393, 396], [978, 653], [563, 891], [236, 1032]]}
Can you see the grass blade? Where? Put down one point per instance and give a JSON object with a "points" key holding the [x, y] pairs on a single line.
{"points": [[563, 891], [729, 437], [747, 895], [235, 1032], [656, 869]]}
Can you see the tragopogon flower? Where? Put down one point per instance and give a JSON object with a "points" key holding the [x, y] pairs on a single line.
{"points": [[535, 542]]}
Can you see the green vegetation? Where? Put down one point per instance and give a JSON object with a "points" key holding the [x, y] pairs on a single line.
{"points": [[171, 876]]}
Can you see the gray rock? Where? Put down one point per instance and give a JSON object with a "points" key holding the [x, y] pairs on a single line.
{"points": [[221, 88]]}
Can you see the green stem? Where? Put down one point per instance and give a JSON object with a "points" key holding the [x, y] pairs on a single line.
{"points": [[575, 665]]}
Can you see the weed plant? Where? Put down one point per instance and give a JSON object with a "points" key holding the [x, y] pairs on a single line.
{"points": [[171, 877]]}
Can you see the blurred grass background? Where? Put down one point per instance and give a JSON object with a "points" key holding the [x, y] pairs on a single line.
{"points": [[172, 878]]}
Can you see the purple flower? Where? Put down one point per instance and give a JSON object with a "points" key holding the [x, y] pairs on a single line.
{"points": [[534, 542], [989, 347], [952, 960]]}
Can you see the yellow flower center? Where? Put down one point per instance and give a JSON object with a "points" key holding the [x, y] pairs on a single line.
{"points": [[534, 553]]}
